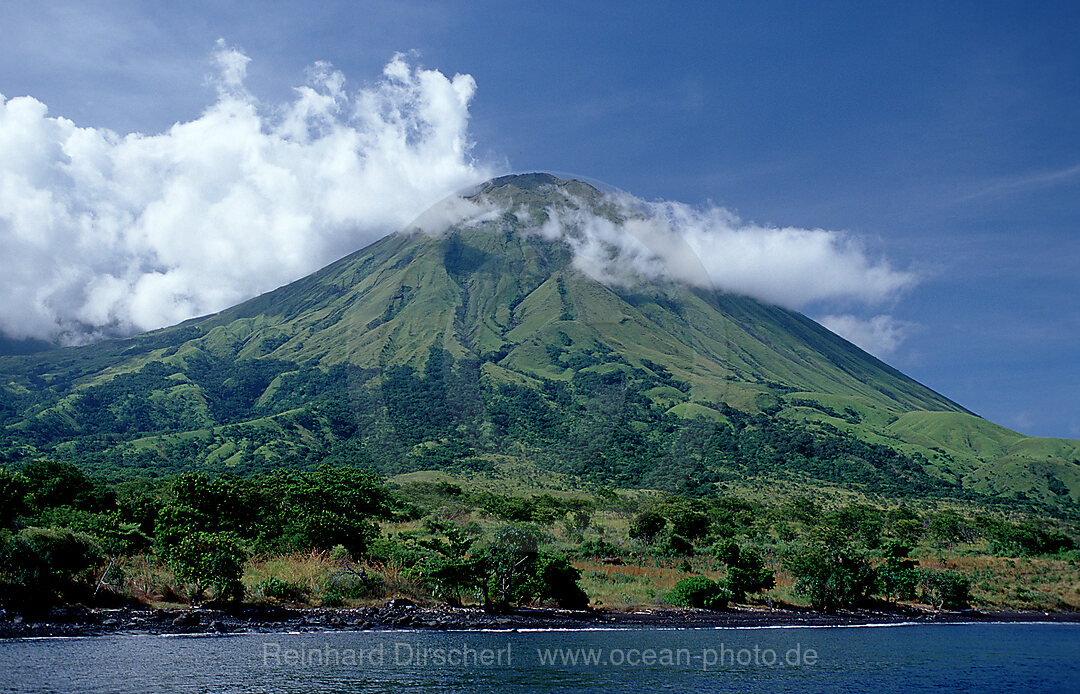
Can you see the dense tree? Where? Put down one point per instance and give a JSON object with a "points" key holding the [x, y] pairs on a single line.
{"points": [[210, 561], [746, 570], [898, 574], [945, 588], [832, 577], [647, 525]]}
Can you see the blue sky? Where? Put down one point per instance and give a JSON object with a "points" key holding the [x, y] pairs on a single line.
{"points": [[946, 136]]}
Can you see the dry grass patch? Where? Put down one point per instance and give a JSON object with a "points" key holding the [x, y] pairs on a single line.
{"points": [[640, 584], [1020, 583]]}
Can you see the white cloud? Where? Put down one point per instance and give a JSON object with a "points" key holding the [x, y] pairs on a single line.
{"points": [[880, 335], [103, 233], [712, 247]]}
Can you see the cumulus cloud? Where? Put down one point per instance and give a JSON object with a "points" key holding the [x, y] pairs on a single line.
{"points": [[712, 247], [103, 233], [880, 335]]}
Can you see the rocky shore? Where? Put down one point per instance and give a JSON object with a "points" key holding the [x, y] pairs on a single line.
{"points": [[401, 614]]}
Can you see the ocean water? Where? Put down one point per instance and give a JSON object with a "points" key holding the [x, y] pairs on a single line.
{"points": [[903, 658]]}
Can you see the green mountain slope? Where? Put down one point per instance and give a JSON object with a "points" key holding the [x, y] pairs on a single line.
{"points": [[426, 351]]}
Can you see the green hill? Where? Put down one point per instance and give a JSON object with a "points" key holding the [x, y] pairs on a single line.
{"points": [[443, 351]]}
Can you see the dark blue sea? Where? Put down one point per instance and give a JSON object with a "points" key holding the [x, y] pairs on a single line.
{"points": [[904, 658]]}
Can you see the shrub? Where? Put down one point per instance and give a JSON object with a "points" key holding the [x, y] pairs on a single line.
{"points": [[945, 589], [68, 554], [646, 526], [13, 490], [276, 588], [691, 524], [332, 598], [699, 591], [1026, 539], [832, 578], [559, 582], [454, 577], [353, 584], [949, 527], [898, 575], [858, 522], [679, 546], [746, 570], [511, 558], [53, 483], [599, 548], [749, 575], [325, 529], [210, 560], [40, 566]]}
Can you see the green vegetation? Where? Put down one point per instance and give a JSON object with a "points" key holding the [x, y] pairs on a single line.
{"points": [[339, 535], [210, 560], [832, 577], [699, 591], [424, 353], [508, 396], [746, 570]]}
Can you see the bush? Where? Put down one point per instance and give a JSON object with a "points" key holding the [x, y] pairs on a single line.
{"points": [[679, 546], [898, 575], [41, 566], [691, 524], [559, 582], [278, 589], [949, 527], [1026, 539], [23, 576], [699, 591], [861, 523], [352, 584], [451, 578], [646, 526], [746, 572], [945, 589], [599, 548], [332, 598], [511, 559], [326, 529], [52, 483], [210, 560], [832, 578], [13, 490], [114, 536]]}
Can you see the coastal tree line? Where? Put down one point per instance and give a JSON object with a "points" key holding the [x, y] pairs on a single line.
{"points": [[69, 538]]}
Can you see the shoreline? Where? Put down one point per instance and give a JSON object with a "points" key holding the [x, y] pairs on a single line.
{"points": [[400, 616]]}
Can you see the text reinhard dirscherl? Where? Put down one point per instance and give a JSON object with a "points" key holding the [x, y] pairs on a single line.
{"points": [[405, 654]]}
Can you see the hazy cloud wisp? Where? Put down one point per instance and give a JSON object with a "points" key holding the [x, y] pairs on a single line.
{"points": [[880, 335]]}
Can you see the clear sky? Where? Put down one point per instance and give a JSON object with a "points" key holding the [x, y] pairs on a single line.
{"points": [[944, 136]]}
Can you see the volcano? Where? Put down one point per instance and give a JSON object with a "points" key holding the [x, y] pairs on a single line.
{"points": [[479, 335]]}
